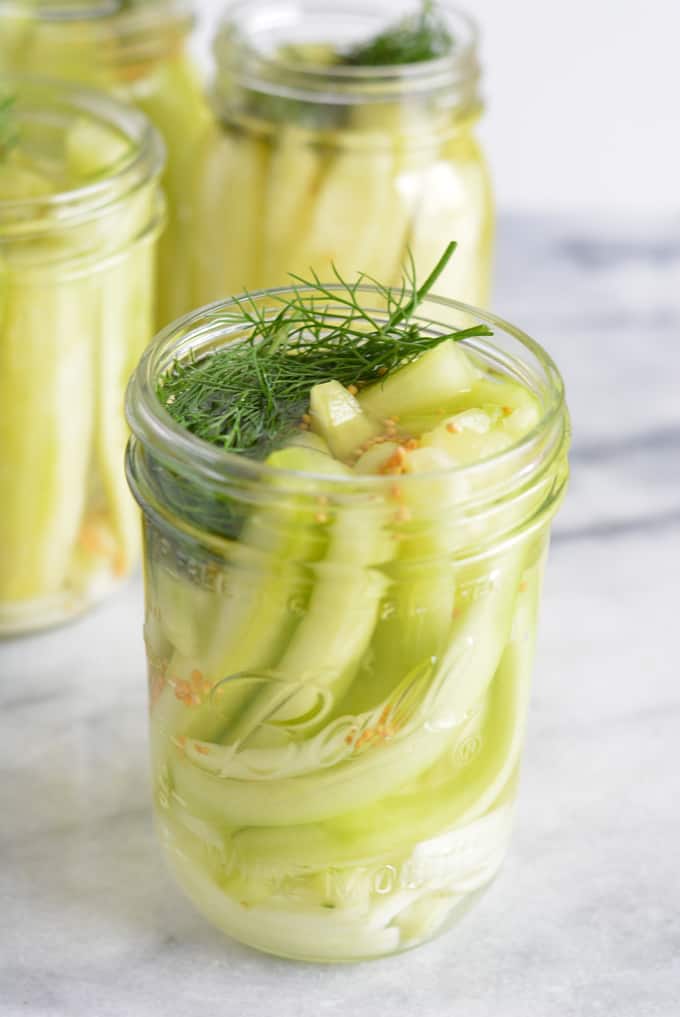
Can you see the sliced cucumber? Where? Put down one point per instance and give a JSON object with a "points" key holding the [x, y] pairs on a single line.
{"points": [[468, 437], [125, 327], [456, 201], [351, 206], [229, 210], [339, 419], [376, 459], [326, 648], [172, 97], [476, 644], [423, 386], [293, 176], [93, 149], [46, 410], [460, 789], [252, 618], [18, 182], [518, 407]]}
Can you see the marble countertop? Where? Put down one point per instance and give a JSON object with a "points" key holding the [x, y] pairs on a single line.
{"points": [[584, 920]]}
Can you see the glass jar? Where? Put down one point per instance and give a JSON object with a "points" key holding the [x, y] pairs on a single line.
{"points": [[137, 52], [313, 166], [80, 211], [339, 668]]}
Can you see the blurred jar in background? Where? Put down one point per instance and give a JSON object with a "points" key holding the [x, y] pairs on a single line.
{"points": [[137, 50], [80, 212], [344, 136]]}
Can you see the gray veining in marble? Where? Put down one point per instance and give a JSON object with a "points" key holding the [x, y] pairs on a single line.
{"points": [[585, 918]]}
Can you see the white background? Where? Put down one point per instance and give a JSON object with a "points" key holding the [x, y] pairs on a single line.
{"points": [[583, 102]]}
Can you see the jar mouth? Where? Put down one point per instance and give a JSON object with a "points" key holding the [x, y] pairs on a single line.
{"points": [[251, 42], [116, 31], [57, 106], [205, 330], [70, 10]]}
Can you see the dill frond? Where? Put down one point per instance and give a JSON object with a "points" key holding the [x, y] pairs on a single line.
{"points": [[423, 35], [250, 395]]}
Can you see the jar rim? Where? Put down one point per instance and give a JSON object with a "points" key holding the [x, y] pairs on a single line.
{"points": [[154, 427], [143, 31], [37, 96], [453, 76]]}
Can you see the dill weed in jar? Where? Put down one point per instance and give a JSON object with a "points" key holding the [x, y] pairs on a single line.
{"points": [[80, 211], [137, 51], [344, 137], [346, 508]]}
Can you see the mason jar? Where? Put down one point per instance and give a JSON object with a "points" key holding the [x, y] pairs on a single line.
{"points": [[80, 211], [311, 164], [139, 53], [339, 669]]}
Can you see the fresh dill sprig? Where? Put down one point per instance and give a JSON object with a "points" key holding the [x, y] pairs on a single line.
{"points": [[9, 135], [250, 395], [423, 35]]}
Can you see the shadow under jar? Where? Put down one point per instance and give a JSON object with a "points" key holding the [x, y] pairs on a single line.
{"points": [[313, 162], [339, 667], [137, 51], [80, 212]]}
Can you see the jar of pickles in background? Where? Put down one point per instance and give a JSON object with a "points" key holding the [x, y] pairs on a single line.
{"points": [[80, 213], [344, 137], [137, 50]]}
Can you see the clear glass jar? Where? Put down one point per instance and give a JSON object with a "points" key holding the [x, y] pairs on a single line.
{"points": [[137, 52], [310, 166], [339, 669], [80, 211]]}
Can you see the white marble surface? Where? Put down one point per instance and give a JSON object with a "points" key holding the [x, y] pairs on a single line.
{"points": [[584, 919]]}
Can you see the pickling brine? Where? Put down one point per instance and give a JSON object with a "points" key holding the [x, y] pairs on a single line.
{"points": [[347, 508], [137, 51], [80, 212], [344, 138]]}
